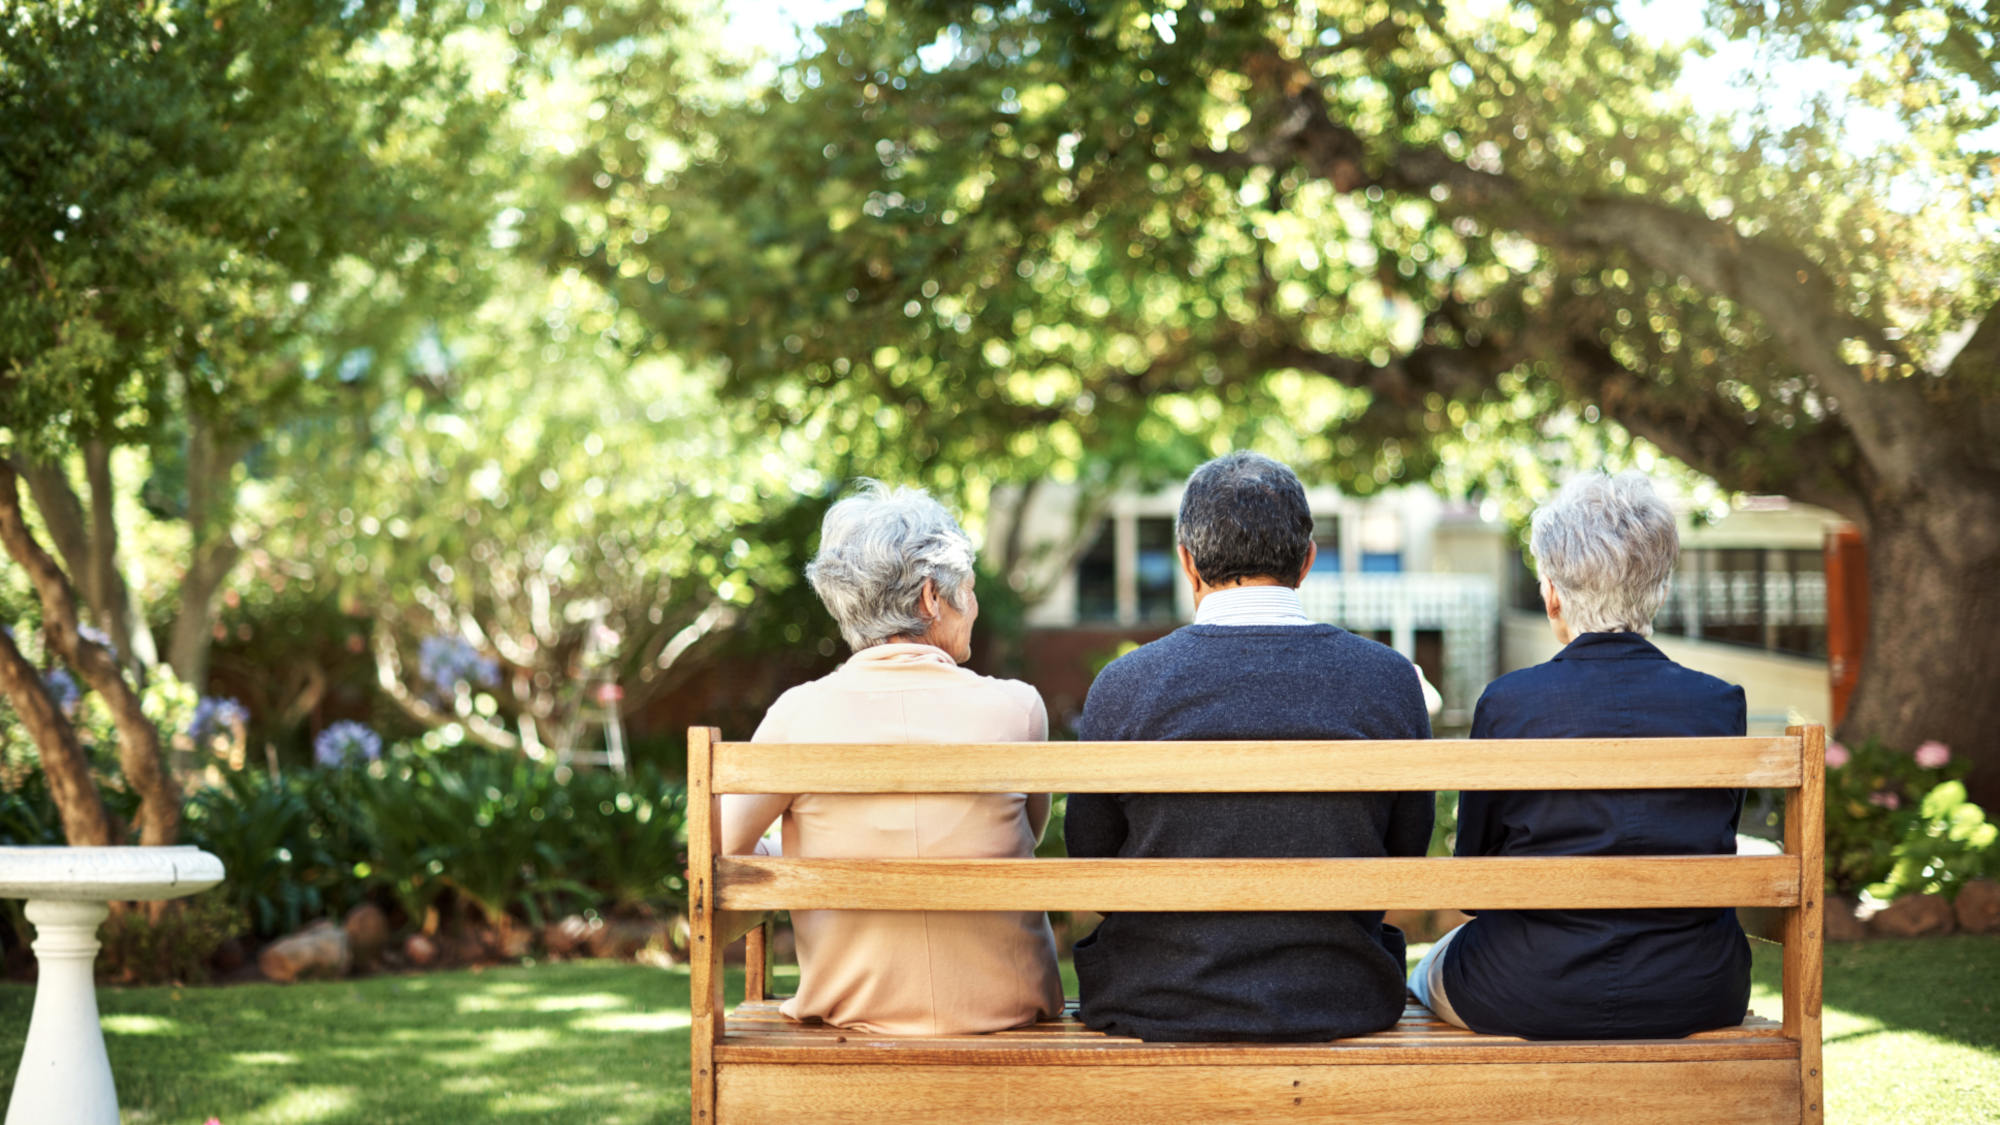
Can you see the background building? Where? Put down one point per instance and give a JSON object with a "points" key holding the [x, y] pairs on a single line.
{"points": [[1443, 582]]}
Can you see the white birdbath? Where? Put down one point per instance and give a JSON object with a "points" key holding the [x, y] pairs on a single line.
{"points": [[65, 1075]]}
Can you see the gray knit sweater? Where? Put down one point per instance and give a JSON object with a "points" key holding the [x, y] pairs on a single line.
{"points": [[1248, 976]]}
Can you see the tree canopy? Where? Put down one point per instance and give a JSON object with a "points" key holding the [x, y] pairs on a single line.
{"points": [[208, 213], [510, 321], [980, 240]]}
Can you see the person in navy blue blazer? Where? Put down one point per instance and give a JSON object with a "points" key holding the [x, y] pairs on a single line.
{"points": [[1605, 548]]}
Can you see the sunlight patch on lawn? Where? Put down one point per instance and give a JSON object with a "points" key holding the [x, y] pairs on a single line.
{"points": [[485, 1001], [491, 1043], [430, 1037], [265, 1058], [1836, 1024], [305, 1103], [586, 1002], [1909, 1077], [141, 1025], [668, 1020]]}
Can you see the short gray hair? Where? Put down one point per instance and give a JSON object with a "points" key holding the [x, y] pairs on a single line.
{"points": [[1244, 515], [876, 551], [1608, 546]]}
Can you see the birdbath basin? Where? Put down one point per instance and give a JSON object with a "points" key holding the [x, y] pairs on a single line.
{"points": [[65, 1074]]}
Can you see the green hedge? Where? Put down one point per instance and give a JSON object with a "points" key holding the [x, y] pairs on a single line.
{"points": [[495, 832]]}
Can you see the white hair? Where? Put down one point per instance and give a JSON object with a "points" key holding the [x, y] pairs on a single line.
{"points": [[1608, 546], [876, 551]]}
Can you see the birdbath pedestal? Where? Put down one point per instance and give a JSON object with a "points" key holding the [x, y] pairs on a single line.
{"points": [[65, 1075]]}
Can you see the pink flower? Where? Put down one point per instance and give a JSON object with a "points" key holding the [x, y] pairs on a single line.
{"points": [[1933, 754], [1882, 798], [1837, 755]]}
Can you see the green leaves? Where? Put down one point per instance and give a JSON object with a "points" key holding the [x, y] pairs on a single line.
{"points": [[1949, 843], [186, 196]]}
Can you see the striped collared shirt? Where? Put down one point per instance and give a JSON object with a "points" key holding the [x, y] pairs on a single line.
{"points": [[1278, 605], [1252, 605]]}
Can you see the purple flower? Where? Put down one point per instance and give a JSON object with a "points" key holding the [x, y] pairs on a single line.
{"points": [[345, 741], [447, 662], [216, 715], [1933, 754], [97, 636], [63, 687], [1837, 755], [1884, 799]]}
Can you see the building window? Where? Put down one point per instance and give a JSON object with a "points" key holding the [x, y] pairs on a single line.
{"points": [[1526, 585], [1326, 537], [1798, 603], [1097, 577], [1773, 599], [1155, 566], [1381, 562], [1769, 599]]}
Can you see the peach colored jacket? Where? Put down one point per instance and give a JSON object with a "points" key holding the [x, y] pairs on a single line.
{"points": [[909, 972]]}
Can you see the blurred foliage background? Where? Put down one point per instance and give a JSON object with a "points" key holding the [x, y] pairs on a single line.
{"points": [[433, 366]]}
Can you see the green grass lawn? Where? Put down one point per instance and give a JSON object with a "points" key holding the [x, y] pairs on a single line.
{"points": [[1911, 1036]]}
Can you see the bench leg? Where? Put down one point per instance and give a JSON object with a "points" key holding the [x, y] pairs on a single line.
{"points": [[756, 962], [704, 948]]}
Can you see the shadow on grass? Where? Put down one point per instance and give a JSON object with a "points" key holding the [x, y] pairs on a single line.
{"points": [[1947, 988], [1911, 1036]]}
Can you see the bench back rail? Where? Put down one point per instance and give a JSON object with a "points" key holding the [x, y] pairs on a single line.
{"points": [[1792, 881]]}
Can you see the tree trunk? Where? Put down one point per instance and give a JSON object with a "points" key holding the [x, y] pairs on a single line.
{"points": [[87, 543], [84, 820], [212, 552], [138, 739], [110, 597], [1933, 645]]}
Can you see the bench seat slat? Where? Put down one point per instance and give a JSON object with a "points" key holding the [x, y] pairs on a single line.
{"points": [[1248, 1087], [1105, 885], [1359, 1051], [1260, 767], [758, 1032]]}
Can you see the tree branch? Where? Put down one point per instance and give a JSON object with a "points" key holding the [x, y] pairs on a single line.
{"points": [[110, 595], [84, 819], [1703, 433], [62, 514], [214, 550], [1789, 291], [138, 739], [389, 677], [1455, 371]]}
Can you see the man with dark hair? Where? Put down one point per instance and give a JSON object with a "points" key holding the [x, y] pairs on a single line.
{"points": [[1251, 666]]}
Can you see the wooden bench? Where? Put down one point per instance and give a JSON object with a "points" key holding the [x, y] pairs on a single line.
{"points": [[753, 1065]]}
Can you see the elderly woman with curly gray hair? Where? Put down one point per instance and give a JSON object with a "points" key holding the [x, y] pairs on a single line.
{"points": [[895, 571], [1605, 547]]}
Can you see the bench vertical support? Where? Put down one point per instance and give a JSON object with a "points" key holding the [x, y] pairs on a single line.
{"points": [[1805, 924], [756, 961], [704, 948]]}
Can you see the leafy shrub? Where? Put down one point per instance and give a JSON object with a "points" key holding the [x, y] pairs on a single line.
{"points": [[498, 833], [1899, 823], [28, 816], [627, 838], [286, 849], [515, 837], [176, 947], [1949, 843], [483, 829]]}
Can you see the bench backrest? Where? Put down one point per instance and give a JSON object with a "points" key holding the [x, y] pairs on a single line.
{"points": [[1792, 881]]}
